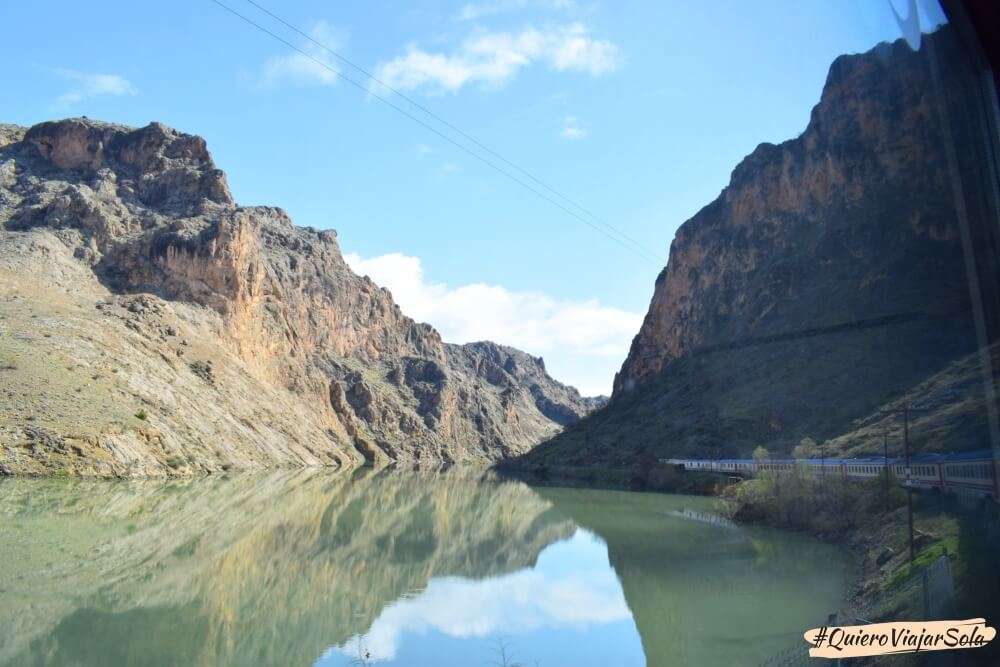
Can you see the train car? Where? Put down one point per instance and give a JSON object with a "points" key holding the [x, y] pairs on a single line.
{"points": [[776, 465], [862, 469], [975, 473], [971, 472], [925, 471]]}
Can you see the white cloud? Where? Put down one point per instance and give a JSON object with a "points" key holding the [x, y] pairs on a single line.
{"points": [[473, 11], [492, 59], [87, 85], [586, 595], [583, 342], [571, 128], [477, 10], [318, 68]]}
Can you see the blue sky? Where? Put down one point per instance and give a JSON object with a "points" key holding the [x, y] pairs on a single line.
{"points": [[637, 110]]}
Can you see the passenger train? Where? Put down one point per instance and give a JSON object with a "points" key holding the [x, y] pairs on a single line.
{"points": [[968, 472]]}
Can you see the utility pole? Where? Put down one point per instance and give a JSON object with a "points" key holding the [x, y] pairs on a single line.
{"points": [[907, 408], [907, 472], [885, 465], [822, 463], [909, 489]]}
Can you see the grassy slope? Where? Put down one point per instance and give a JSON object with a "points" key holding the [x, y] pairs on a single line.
{"points": [[727, 402]]}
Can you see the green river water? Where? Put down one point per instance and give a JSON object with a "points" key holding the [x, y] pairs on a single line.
{"points": [[394, 568]]}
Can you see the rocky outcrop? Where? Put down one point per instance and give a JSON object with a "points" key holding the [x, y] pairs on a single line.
{"points": [[853, 220], [828, 277], [141, 222]]}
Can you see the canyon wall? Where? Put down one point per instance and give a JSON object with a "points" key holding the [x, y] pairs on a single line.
{"points": [[830, 276], [155, 326]]}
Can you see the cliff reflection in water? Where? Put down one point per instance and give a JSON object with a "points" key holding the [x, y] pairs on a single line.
{"points": [[295, 568]]}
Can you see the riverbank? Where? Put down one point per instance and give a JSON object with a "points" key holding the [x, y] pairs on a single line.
{"points": [[867, 519], [653, 477]]}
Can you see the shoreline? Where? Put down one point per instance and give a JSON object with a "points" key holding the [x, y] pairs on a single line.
{"points": [[870, 526]]}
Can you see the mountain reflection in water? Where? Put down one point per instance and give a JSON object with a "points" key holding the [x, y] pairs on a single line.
{"points": [[300, 568]]}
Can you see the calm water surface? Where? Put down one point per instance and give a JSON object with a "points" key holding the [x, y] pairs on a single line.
{"points": [[393, 568]]}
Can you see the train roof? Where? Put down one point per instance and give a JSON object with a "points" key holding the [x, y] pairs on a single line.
{"points": [[926, 457]]}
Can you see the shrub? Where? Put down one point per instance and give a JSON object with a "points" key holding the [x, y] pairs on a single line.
{"points": [[799, 500], [806, 449]]}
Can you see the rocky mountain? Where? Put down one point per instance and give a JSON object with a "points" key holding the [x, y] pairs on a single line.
{"points": [[830, 276], [151, 325]]}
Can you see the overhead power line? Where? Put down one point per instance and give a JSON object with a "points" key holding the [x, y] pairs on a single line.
{"points": [[606, 229], [344, 59]]}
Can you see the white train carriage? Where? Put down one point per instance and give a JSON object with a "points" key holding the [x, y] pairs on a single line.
{"points": [[925, 471], [862, 468], [967, 472], [976, 476]]}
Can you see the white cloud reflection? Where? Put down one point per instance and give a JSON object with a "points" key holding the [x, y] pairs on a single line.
{"points": [[570, 587]]}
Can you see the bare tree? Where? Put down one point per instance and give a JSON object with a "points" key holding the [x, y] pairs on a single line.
{"points": [[505, 655], [364, 655]]}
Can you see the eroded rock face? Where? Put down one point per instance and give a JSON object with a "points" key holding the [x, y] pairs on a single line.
{"points": [[853, 219], [827, 279], [146, 211]]}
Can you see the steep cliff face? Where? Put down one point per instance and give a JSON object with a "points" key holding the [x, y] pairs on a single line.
{"points": [[826, 279], [853, 220], [104, 213]]}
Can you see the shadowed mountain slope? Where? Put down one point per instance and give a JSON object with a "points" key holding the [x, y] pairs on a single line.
{"points": [[830, 276]]}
